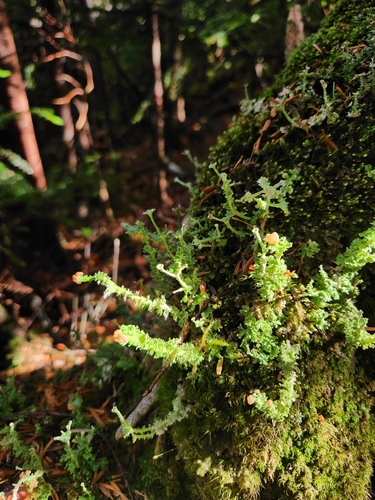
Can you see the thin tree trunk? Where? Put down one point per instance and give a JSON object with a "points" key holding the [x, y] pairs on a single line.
{"points": [[65, 112], [159, 104], [158, 82], [17, 99], [100, 86], [295, 30], [72, 129], [179, 115]]}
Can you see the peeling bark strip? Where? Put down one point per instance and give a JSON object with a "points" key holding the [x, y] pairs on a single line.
{"points": [[17, 99]]}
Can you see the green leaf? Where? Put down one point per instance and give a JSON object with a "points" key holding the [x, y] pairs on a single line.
{"points": [[16, 160], [49, 115]]}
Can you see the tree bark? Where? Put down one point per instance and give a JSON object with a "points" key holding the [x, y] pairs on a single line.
{"points": [[17, 99], [158, 84], [295, 30], [159, 104]]}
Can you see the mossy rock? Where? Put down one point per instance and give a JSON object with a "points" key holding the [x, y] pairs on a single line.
{"points": [[317, 123]]}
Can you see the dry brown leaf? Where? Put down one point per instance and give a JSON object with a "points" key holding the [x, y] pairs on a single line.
{"points": [[108, 400], [111, 488], [257, 144], [47, 462], [140, 494], [317, 48], [97, 476], [106, 492], [57, 472], [94, 414], [43, 449]]}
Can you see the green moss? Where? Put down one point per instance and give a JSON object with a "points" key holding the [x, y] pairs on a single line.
{"points": [[330, 143], [322, 126], [316, 453]]}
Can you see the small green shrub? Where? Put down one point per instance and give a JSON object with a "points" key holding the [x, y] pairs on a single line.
{"points": [[85, 453]]}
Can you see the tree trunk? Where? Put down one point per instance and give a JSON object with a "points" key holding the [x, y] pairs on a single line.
{"points": [[70, 89], [159, 105], [17, 99], [295, 30], [158, 83], [65, 111]]}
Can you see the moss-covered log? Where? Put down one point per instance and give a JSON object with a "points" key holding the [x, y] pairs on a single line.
{"points": [[319, 121], [277, 403]]}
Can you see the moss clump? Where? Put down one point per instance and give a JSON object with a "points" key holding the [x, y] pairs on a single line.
{"points": [[321, 451], [320, 122]]}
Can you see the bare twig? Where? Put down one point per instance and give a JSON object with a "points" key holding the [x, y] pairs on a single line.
{"points": [[140, 410]]}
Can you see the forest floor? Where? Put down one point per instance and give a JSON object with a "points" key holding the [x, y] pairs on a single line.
{"points": [[54, 332]]}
